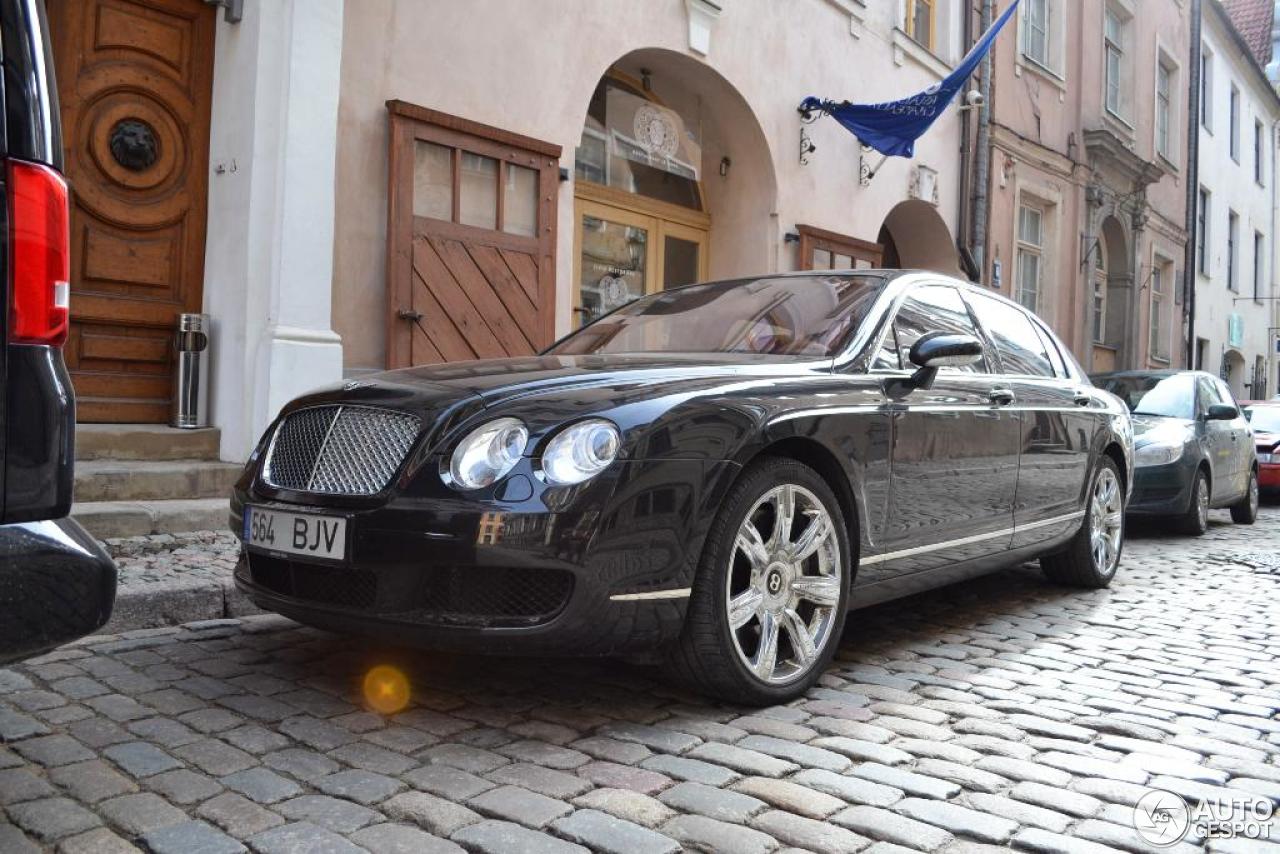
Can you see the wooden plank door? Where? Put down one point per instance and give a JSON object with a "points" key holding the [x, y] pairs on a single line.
{"points": [[470, 240], [135, 85]]}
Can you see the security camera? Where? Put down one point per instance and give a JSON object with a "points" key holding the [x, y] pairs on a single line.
{"points": [[973, 98]]}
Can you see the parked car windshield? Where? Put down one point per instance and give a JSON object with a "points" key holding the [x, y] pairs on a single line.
{"points": [[809, 316], [1171, 395], [1264, 419]]}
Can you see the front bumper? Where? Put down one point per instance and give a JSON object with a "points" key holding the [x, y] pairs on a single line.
{"points": [[1162, 490], [599, 569], [56, 584]]}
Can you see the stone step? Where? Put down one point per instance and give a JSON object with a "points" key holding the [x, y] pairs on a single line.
{"points": [[145, 442], [110, 519], [155, 480]]}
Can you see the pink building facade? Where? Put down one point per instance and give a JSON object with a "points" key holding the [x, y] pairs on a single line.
{"points": [[1085, 216]]}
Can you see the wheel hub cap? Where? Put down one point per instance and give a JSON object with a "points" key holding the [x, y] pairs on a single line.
{"points": [[1106, 523], [784, 584]]}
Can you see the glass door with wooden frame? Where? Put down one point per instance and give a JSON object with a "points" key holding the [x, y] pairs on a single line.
{"points": [[624, 253]]}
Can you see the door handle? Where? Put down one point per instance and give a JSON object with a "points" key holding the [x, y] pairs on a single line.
{"points": [[1000, 396], [1081, 397], [409, 314]]}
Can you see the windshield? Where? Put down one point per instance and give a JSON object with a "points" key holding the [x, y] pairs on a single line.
{"points": [[808, 316], [1173, 395], [1264, 419]]}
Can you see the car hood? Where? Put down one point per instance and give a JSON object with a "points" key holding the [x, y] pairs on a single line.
{"points": [[1154, 428], [446, 394]]}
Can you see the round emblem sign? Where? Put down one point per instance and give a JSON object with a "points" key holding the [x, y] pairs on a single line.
{"points": [[656, 131]]}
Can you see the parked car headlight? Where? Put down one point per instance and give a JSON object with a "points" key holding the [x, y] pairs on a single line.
{"points": [[581, 451], [488, 453], [1157, 454]]}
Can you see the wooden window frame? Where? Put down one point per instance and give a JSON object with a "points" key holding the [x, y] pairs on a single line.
{"points": [[1027, 248], [812, 238], [410, 124], [909, 25]]}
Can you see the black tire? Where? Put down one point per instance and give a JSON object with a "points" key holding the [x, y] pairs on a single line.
{"points": [[707, 655], [1245, 511], [1078, 565], [1195, 520]]}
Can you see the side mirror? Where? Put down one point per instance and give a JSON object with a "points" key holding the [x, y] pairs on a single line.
{"points": [[1221, 412], [941, 350]]}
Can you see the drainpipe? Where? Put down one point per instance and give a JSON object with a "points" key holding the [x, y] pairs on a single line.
{"points": [[966, 159], [1193, 187], [982, 172]]}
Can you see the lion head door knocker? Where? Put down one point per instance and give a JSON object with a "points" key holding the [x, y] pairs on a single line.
{"points": [[133, 145]]}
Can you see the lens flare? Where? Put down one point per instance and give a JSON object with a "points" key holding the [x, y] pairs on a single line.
{"points": [[386, 689]]}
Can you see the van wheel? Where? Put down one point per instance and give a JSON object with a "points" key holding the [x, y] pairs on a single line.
{"points": [[1091, 558], [1245, 511], [769, 598], [1195, 521]]}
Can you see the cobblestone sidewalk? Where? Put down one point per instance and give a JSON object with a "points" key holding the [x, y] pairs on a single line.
{"points": [[1001, 712]]}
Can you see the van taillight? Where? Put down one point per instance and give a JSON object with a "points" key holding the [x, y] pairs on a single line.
{"points": [[40, 255]]}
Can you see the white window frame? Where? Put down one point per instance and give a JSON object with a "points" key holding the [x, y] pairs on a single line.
{"points": [[1259, 264], [1166, 107], [1119, 47], [1028, 250], [1101, 282], [1233, 251], [1206, 88], [1159, 322], [1233, 132], [1027, 13], [1259, 153], [1204, 227]]}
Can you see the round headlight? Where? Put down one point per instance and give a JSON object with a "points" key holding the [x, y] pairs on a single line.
{"points": [[488, 453], [580, 451]]}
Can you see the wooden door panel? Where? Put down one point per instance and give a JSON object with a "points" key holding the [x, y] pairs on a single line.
{"points": [[134, 83], [458, 292]]}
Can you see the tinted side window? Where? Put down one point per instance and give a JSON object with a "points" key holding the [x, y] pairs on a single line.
{"points": [[934, 308], [1209, 395], [1022, 351], [1051, 348]]}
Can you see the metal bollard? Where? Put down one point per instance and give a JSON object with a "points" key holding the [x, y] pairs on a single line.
{"points": [[191, 374]]}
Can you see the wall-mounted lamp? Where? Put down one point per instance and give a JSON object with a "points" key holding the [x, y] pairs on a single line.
{"points": [[725, 163]]}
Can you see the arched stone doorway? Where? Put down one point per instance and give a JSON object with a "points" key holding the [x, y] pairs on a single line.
{"points": [[1112, 282], [915, 237], [674, 183], [1235, 373]]}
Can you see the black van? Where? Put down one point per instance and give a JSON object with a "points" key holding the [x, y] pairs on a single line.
{"points": [[56, 582]]}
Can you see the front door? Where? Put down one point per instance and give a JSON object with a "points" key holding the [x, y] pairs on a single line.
{"points": [[955, 450], [135, 82], [629, 246]]}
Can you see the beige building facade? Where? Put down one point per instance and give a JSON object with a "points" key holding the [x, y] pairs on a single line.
{"points": [[538, 163], [1088, 175]]}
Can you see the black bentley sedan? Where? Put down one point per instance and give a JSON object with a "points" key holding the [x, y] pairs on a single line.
{"points": [[1193, 449], [716, 472]]}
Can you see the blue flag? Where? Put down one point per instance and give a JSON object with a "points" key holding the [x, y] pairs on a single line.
{"points": [[892, 127]]}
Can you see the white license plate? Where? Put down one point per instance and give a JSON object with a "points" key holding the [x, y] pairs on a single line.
{"points": [[296, 533]]}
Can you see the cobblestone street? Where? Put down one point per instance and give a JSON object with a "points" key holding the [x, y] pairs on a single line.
{"points": [[1000, 712]]}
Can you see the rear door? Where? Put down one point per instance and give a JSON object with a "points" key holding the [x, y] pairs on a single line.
{"points": [[955, 449], [1057, 428]]}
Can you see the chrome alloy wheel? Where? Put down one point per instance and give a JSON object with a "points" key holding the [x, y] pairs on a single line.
{"points": [[784, 584], [1202, 502], [1253, 494], [1106, 511]]}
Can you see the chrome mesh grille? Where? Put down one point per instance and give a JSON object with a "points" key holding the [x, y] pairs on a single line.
{"points": [[339, 450]]}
